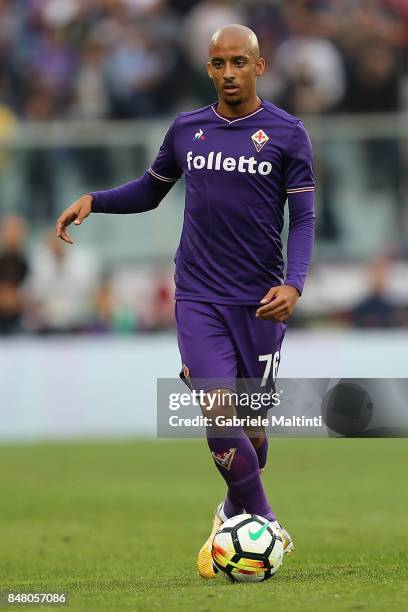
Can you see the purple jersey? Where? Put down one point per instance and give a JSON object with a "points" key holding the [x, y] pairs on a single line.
{"points": [[238, 176]]}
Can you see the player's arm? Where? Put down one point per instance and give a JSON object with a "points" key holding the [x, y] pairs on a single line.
{"points": [[137, 196], [279, 302]]}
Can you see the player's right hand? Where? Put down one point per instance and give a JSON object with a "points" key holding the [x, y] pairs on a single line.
{"points": [[76, 213]]}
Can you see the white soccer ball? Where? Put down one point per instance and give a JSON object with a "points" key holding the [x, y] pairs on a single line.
{"points": [[247, 548]]}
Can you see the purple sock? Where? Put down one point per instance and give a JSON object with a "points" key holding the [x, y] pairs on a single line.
{"points": [[262, 453], [237, 462], [232, 505]]}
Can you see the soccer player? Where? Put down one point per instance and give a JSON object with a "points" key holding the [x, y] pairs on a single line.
{"points": [[242, 158]]}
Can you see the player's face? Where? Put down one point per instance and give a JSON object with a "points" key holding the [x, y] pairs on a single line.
{"points": [[234, 69]]}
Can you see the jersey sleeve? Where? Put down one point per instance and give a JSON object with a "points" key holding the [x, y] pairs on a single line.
{"points": [[300, 238], [298, 168], [166, 167]]}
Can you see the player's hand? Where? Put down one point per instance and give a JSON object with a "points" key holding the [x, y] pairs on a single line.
{"points": [[76, 213], [279, 303]]}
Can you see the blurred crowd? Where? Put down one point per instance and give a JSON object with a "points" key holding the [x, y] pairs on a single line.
{"points": [[54, 289], [57, 289], [129, 59], [98, 59]]}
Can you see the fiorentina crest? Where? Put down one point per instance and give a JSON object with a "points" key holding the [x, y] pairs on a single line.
{"points": [[224, 459], [259, 139]]}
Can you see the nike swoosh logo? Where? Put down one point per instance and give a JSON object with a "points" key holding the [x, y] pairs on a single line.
{"points": [[257, 534]]}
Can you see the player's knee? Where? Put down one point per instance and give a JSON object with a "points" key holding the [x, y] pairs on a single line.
{"points": [[219, 403]]}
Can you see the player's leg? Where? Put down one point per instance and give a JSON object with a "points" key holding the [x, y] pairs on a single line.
{"points": [[225, 457], [207, 353], [237, 461], [258, 344]]}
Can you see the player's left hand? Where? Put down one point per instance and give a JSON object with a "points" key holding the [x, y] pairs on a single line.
{"points": [[279, 303]]}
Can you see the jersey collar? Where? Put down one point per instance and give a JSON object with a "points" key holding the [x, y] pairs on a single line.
{"points": [[258, 110]]}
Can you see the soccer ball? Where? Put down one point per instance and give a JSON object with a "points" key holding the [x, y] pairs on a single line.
{"points": [[247, 548]]}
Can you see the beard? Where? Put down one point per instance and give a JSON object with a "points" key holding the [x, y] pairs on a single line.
{"points": [[232, 102]]}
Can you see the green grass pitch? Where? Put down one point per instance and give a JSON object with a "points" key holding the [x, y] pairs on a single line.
{"points": [[117, 525]]}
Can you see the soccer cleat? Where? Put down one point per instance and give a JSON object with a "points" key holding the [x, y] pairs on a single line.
{"points": [[287, 541], [204, 560]]}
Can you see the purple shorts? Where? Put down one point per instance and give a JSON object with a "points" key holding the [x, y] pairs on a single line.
{"points": [[225, 343]]}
